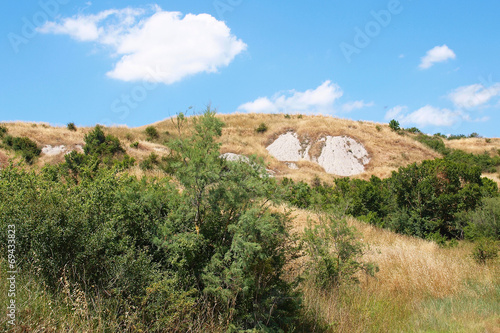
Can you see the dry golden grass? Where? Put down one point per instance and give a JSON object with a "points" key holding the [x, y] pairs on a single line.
{"points": [[475, 145], [388, 150], [413, 272]]}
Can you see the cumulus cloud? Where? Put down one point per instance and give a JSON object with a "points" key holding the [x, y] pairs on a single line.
{"points": [[155, 45], [356, 105], [319, 100], [435, 55], [474, 95], [425, 116]]}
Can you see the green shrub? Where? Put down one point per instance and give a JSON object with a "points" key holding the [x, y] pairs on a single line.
{"points": [[335, 253], [3, 131], [413, 130], [485, 250], [134, 145], [150, 162], [71, 126], [456, 137], [97, 143], [394, 125], [28, 148], [484, 222], [434, 142], [287, 116], [152, 133], [299, 116], [262, 128], [378, 128]]}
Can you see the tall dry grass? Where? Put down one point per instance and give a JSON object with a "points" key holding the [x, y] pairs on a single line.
{"points": [[420, 287], [475, 145]]}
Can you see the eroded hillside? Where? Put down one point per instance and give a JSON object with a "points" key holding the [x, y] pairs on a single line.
{"points": [[385, 149]]}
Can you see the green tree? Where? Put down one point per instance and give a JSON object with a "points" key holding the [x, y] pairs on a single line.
{"points": [[221, 239], [334, 253], [394, 125]]}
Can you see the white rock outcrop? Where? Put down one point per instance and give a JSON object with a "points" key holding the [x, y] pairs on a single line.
{"points": [[287, 147], [340, 155], [343, 156]]}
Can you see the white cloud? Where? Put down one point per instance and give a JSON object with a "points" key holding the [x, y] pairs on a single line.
{"points": [[157, 45], [436, 54], [319, 100], [474, 95], [356, 105], [425, 116], [395, 111]]}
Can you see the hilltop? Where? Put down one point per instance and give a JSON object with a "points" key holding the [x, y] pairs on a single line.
{"points": [[386, 150]]}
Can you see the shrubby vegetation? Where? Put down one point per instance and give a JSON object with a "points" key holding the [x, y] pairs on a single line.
{"points": [[427, 200], [202, 253], [25, 146]]}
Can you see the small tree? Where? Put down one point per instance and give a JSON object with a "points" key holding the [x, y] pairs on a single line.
{"points": [[262, 128], [71, 126], [394, 125], [334, 253], [151, 132]]}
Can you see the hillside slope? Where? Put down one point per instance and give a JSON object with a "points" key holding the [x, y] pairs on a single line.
{"points": [[387, 150]]}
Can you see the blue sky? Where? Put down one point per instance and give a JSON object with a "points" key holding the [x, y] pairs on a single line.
{"points": [[430, 64]]}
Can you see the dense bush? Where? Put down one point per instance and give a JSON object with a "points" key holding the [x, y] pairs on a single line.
{"points": [[394, 125], [261, 128], [3, 131], [97, 143], [484, 161], [434, 142], [150, 162], [167, 256], [71, 126], [28, 148], [151, 132], [485, 250], [334, 253], [427, 200]]}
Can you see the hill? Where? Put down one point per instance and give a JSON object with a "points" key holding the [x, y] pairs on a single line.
{"points": [[386, 150]]}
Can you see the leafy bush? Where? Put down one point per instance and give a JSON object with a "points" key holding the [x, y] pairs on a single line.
{"points": [[334, 253], [434, 142], [150, 162], [71, 126], [394, 125], [484, 161], [262, 128], [3, 131], [484, 222], [456, 137], [134, 145], [151, 132], [378, 128], [99, 144], [413, 130], [485, 250], [28, 148], [287, 116]]}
